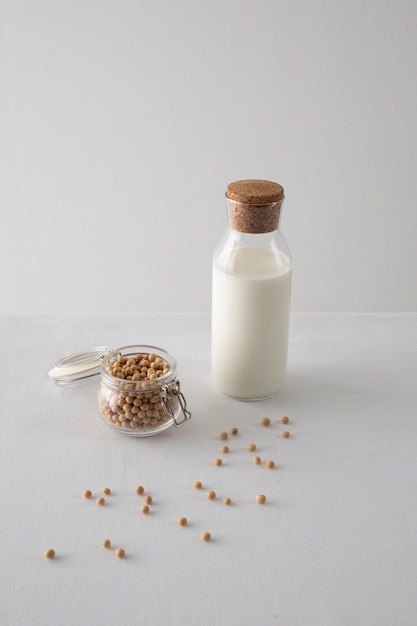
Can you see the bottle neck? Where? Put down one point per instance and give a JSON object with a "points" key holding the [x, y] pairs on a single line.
{"points": [[273, 240], [236, 239], [254, 219]]}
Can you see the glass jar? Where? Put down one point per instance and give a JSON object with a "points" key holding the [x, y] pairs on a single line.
{"points": [[251, 291], [141, 406], [139, 393]]}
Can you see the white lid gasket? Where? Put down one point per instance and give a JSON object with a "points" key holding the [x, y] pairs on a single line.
{"points": [[75, 368]]}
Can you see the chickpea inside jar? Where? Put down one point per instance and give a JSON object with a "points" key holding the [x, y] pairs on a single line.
{"points": [[139, 392]]}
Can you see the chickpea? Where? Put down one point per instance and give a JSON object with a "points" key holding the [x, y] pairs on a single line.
{"points": [[49, 554], [257, 460], [227, 501], [106, 543], [107, 491], [285, 419], [218, 462], [147, 499], [234, 430], [270, 464], [265, 421], [285, 434], [197, 484], [211, 495], [87, 493], [224, 449], [223, 436], [182, 521], [145, 509], [260, 499], [120, 553], [101, 501], [205, 536], [251, 447]]}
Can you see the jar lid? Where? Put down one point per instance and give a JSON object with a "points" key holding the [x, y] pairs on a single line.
{"points": [[77, 367]]}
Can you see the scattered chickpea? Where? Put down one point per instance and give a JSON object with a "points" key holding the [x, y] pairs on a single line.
{"points": [[182, 521], [107, 491], [87, 493], [145, 509], [270, 464], [257, 460], [205, 536], [120, 553], [223, 436], [234, 430], [251, 447], [224, 449], [218, 461], [101, 501], [285, 419], [139, 490], [211, 495], [285, 434], [260, 499], [265, 421], [49, 554], [106, 543], [147, 499], [227, 501], [197, 484]]}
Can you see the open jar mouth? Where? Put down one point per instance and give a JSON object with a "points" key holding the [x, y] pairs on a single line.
{"points": [[132, 352]]}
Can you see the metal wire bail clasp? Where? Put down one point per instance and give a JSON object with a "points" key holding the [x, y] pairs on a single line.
{"points": [[173, 389]]}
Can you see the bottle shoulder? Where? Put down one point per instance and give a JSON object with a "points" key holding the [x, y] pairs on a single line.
{"points": [[246, 250]]}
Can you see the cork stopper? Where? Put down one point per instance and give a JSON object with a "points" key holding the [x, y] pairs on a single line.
{"points": [[255, 191], [254, 205]]}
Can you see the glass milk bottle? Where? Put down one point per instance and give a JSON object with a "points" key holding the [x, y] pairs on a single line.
{"points": [[251, 292]]}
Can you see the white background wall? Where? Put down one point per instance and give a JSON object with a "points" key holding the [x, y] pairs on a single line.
{"points": [[121, 124]]}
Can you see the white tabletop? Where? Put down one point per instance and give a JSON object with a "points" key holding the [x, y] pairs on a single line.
{"points": [[335, 543]]}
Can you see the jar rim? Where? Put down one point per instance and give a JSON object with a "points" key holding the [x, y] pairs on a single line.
{"points": [[133, 350]]}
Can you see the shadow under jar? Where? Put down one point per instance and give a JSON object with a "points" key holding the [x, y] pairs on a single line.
{"points": [[139, 393]]}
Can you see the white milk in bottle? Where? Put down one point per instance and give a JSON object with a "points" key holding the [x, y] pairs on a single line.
{"points": [[251, 294]]}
